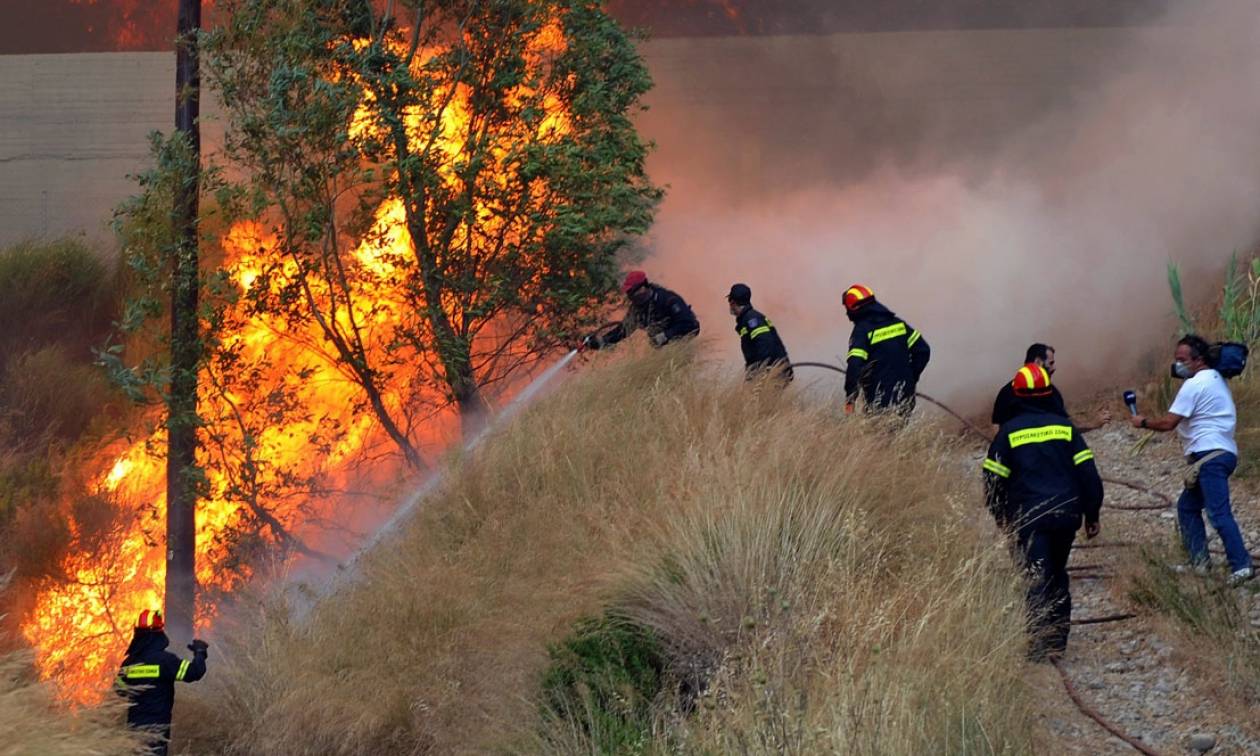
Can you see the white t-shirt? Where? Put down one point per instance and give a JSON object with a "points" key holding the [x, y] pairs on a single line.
{"points": [[1208, 408]]}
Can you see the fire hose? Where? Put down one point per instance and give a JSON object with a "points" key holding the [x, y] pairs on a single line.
{"points": [[1067, 683], [971, 427]]}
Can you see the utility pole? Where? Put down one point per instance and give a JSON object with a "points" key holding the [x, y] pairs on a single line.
{"points": [[181, 458]]}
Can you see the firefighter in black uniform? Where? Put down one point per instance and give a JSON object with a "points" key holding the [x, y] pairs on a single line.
{"points": [[657, 310], [886, 356], [149, 673], [1040, 482], [758, 338]]}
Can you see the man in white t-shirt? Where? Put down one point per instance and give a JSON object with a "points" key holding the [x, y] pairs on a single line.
{"points": [[1204, 416]]}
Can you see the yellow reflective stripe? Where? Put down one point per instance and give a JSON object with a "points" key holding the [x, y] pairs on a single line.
{"points": [[1041, 435], [743, 332], [914, 339], [1083, 456], [142, 672], [758, 331], [1028, 376], [183, 670], [997, 468], [859, 353], [887, 332]]}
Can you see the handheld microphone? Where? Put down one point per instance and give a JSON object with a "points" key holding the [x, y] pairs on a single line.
{"points": [[1130, 398]]}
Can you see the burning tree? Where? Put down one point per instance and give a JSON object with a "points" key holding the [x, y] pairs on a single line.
{"points": [[427, 199], [482, 150]]}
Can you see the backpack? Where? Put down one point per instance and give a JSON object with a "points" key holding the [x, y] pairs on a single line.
{"points": [[1228, 358]]}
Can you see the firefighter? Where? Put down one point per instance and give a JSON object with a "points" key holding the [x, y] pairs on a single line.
{"points": [[758, 338], [657, 310], [886, 356], [149, 673], [1040, 482]]}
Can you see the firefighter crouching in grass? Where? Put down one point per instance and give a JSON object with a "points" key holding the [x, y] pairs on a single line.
{"points": [[1041, 482], [759, 340]]}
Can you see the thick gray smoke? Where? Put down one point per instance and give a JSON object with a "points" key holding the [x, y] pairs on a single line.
{"points": [[994, 187]]}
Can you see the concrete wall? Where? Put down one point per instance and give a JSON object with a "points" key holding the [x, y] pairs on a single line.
{"points": [[727, 113]]}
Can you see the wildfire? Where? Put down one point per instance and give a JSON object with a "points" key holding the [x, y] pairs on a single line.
{"points": [[262, 457]]}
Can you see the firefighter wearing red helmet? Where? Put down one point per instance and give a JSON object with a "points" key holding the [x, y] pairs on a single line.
{"points": [[1040, 483], [148, 675], [886, 356], [661, 313]]}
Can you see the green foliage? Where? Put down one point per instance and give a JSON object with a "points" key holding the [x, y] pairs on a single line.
{"points": [[1185, 320], [509, 146], [602, 682], [60, 292], [47, 396]]}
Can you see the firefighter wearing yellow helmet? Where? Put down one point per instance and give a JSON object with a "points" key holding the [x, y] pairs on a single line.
{"points": [[886, 356]]}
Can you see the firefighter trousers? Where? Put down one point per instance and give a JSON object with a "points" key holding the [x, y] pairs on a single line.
{"points": [[1045, 553]]}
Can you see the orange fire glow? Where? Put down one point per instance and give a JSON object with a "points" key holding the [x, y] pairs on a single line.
{"points": [[80, 624]]}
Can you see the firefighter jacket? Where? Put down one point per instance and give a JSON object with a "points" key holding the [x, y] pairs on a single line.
{"points": [[886, 358], [148, 676], [1039, 472], [661, 313], [759, 340]]}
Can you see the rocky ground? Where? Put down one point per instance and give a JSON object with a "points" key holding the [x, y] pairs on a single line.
{"points": [[1138, 673]]}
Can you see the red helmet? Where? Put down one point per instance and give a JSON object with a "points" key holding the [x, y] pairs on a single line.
{"points": [[151, 620], [856, 296], [1031, 380], [634, 279]]}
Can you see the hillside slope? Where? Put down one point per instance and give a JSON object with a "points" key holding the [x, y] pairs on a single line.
{"points": [[800, 580]]}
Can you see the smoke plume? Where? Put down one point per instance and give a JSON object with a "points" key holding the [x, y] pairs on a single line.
{"points": [[995, 188]]}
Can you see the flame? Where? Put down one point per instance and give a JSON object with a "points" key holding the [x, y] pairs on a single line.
{"points": [[80, 623]]}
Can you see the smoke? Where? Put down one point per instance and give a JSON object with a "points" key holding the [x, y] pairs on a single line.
{"points": [[995, 188]]}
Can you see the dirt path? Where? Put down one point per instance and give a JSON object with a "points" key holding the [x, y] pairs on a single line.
{"points": [[1130, 672]]}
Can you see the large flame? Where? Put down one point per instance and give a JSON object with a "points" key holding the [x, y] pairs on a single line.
{"points": [[81, 622]]}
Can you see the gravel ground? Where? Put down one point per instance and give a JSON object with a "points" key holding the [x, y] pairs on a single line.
{"points": [[1131, 671]]}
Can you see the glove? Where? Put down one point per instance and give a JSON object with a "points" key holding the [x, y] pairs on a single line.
{"points": [[592, 342], [660, 339], [849, 407], [199, 647]]}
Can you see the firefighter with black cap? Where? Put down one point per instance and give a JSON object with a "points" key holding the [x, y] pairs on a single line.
{"points": [[1040, 483], [148, 675], [758, 338], [886, 356], [664, 315]]}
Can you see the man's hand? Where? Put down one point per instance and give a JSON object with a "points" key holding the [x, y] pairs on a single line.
{"points": [[199, 647], [1104, 418], [1092, 529], [660, 339], [1137, 420], [592, 342], [849, 408]]}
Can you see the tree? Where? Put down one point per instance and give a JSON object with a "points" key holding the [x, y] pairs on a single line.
{"points": [[446, 189], [182, 473]]}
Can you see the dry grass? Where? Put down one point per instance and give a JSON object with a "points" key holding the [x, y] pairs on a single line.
{"points": [[829, 585]]}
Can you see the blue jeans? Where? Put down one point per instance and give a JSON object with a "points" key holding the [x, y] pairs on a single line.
{"points": [[1212, 494]]}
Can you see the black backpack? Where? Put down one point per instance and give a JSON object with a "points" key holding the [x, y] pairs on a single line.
{"points": [[1228, 358]]}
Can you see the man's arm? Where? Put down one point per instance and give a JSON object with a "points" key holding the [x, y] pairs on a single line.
{"points": [[1089, 483], [859, 355], [920, 352], [1163, 424], [997, 476]]}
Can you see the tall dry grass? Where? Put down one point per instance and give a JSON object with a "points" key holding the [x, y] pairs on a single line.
{"points": [[815, 584]]}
